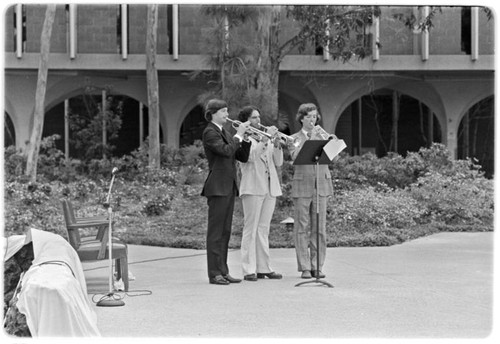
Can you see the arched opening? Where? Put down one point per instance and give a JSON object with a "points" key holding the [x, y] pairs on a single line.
{"points": [[192, 127], [126, 125], [476, 135], [387, 121], [287, 112], [9, 133]]}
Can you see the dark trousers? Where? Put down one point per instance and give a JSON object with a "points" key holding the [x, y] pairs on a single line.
{"points": [[220, 218]]}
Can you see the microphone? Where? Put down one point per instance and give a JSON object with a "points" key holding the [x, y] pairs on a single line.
{"points": [[113, 172]]}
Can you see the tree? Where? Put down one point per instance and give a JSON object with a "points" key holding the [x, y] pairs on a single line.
{"points": [[340, 29], [41, 88], [86, 125], [152, 80]]}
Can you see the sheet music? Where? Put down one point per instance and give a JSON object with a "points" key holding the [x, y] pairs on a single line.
{"points": [[334, 147]]}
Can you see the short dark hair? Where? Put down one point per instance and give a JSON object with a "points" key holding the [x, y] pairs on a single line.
{"points": [[304, 109], [246, 112], [212, 106]]}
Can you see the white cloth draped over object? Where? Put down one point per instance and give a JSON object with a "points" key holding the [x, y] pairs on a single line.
{"points": [[53, 294]]}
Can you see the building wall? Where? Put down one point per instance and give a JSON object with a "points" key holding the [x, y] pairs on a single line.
{"points": [[59, 39], [97, 34], [195, 27], [137, 15], [9, 28], [445, 35], [97, 30], [486, 34], [395, 37]]}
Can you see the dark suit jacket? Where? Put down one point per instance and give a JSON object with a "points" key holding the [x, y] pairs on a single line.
{"points": [[222, 153]]}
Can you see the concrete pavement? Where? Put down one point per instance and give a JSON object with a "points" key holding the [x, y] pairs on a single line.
{"points": [[439, 286]]}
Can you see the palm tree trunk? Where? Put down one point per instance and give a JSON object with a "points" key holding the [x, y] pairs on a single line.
{"points": [[41, 89], [152, 80], [268, 60]]}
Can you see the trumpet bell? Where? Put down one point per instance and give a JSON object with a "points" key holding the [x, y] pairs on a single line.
{"points": [[319, 132]]}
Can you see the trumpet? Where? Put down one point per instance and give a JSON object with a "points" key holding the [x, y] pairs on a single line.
{"points": [[256, 133], [283, 137], [319, 132]]}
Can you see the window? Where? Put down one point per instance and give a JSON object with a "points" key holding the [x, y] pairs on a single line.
{"points": [[466, 30]]}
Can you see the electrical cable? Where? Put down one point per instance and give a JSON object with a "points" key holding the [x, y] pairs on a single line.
{"points": [[119, 295]]}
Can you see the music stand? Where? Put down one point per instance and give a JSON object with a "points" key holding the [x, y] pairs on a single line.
{"points": [[312, 153]]}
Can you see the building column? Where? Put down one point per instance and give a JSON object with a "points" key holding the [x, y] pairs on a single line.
{"points": [[457, 98], [452, 137]]}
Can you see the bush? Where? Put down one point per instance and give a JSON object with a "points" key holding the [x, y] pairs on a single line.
{"points": [[351, 172], [32, 205], [455, 199], [377, 201], [368, 207]]}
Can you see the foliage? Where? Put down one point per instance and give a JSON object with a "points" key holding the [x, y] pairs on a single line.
{"points": [[421, 24], [230, 57], [245, 70], [377, 201], [462, 198], [393, 170], [14, 163], [374, 207], [30, 205], [342, 28], [85, 121]]}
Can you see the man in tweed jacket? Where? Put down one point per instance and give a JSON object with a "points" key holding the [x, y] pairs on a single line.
{"points": [[304, 197]]}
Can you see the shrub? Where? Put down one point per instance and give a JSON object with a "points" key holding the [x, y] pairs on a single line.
{"points": [[369, 207], [455, 199], [350, 172], [14, 163], [31, 205], [156, 206], [368, 170], [376, 202]]}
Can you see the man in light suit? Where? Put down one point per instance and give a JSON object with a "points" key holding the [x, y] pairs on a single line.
{"points": [[258, 191], [304, 197], [220, 187]]}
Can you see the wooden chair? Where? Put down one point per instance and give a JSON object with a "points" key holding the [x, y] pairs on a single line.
{"points": [[96, 248], [98, 222], [89, 218]]}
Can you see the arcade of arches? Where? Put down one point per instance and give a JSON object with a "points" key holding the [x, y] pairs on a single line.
{"points": [[373, 123]]}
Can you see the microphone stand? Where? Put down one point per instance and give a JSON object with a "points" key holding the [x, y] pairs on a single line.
{"points": [[109, 300]]}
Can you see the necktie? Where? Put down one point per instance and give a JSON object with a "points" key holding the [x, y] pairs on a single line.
{"points": [[308, 136]]}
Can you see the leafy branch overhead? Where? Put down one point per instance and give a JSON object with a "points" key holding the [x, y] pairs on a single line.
{"points": [[244, 47], [343, 29]]}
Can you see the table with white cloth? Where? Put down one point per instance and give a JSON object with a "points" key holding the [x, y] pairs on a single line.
{"points": [[53, 291]]}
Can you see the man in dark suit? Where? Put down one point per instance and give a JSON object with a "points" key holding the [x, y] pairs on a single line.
{"points": [[221, 188]]}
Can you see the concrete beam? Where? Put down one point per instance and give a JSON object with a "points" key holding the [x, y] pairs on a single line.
{"points": [[290, 63]]}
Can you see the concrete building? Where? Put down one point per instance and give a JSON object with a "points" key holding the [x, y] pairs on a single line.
{"points": [[436, 85]]}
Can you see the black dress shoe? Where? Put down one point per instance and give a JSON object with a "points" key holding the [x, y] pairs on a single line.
{"points": [[231, 279], [218, 280], [270, 275], [317, 274], [251, 277]]}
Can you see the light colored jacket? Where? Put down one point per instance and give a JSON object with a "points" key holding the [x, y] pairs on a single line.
{"points": [[304, 176], [255, 176]]}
